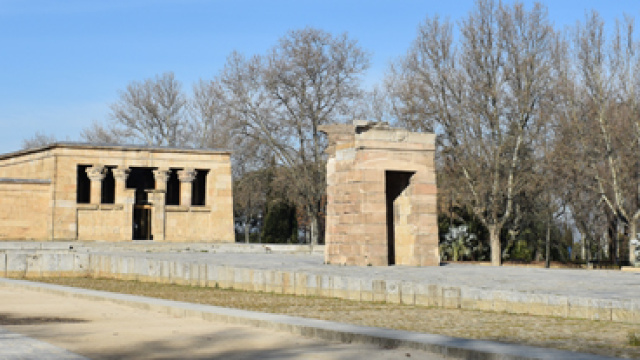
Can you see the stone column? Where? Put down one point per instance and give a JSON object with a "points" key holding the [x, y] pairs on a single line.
{"points": [[186, 177], [161, 176], [96, 174], [126, 199], [157, 198], [120, 176]]}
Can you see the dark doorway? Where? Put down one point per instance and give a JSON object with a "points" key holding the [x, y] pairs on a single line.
{"points": [[142, 222], [395, 183], [141, 179]]}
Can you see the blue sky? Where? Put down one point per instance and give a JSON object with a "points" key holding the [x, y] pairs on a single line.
{"points": [[62, 62]]}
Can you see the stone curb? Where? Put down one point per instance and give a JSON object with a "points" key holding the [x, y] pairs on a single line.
{"points": [[455, 348]]}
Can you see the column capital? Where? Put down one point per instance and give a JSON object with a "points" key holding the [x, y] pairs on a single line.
{"points": [[161, 175], [187, 175], [96, 172], [121, 173]]}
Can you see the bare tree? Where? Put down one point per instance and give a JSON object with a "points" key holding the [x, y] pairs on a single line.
{"points": [[483, 97], [605, 118], [151, 112], [209, 126], [37, 140], [374, 105], [310, 78]]}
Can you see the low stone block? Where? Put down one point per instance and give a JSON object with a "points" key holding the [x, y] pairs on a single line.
{"points": [[407, 293], [366, 290], [300, 284], [16, 265], [259, 280], [435, 295], [80, 264], [379, 290], [578, 308], [600, 309], [538, 304], [313, 284], [421, 294], [164, 271], [475, 299], [33, 268], [288, 282], [353, 286], [340, 287], [3, 264], [517, 303], [622, 310], [557, 306], [451, 297], [326, 285]]}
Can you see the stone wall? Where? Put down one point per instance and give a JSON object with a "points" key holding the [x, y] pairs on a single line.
{"points": [[24, 209], [381, 196], [197, 215], [105, 221]]}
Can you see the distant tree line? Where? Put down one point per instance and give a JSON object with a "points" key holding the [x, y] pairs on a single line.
{"points": [[538, 129]]}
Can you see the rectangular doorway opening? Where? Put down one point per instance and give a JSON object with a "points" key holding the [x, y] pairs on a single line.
{"points": [[141, 179], [395, 183], [142, 222]]}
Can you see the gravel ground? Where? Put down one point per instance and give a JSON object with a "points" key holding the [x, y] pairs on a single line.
{"points": [[598, 337]]}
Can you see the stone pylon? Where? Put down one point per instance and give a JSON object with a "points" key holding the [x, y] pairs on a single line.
{"points": [[381, 196]]}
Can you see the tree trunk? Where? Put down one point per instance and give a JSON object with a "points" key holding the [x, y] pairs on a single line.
{"points": [[619, 231], [246, 231], [632, 235], [583, 246], [494, 241], [547, 262], [314, 229]]}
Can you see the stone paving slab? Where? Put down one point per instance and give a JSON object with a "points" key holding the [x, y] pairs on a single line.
{"points": [[594, 284], [18, 347], [443, 345]]}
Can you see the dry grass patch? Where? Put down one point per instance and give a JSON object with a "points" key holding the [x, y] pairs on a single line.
{"points": [[598, 337]]}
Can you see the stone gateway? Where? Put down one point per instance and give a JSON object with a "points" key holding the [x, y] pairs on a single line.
{"points": [[73, 191], [381, 196]]}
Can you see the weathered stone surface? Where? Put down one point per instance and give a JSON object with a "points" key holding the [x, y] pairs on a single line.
{"points": [[374, 171], [39, 194]]}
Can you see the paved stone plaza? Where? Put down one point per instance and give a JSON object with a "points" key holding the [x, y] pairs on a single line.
{"points": [[596, 284]]}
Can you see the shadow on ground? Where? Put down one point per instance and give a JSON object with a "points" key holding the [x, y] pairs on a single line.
{"points": [[230, 344], [10, 319]]}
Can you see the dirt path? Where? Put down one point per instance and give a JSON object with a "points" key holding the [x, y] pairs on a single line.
{"points": [[102, 330]]}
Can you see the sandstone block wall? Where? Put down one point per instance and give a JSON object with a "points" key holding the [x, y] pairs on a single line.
{"points": [[381, 196], [70, 220], [24, 209]]}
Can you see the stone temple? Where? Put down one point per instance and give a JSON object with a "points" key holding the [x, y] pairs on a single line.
{"points": [[72, 191], [381, 196]]}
